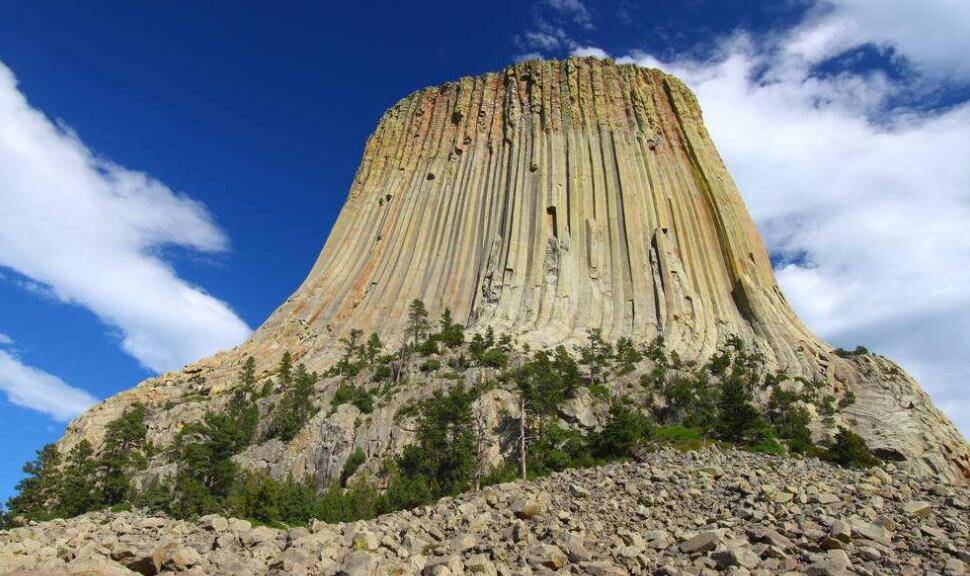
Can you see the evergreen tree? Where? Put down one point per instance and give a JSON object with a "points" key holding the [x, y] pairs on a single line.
{"points": [[691, 401], [738, 420], [596, 355], [37, 493], [121, 452], [624, 434], [296, 407], [373, 349], [546, 381], [849, 450], [206, 473], [417, 326], [353, 359], [627, 355], [285, 368], [450, 334], [442, 461], [247, 376], [354, 461], [78, 492]]}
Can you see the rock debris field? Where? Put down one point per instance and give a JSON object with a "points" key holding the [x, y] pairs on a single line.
{"points": [[706, 512]]}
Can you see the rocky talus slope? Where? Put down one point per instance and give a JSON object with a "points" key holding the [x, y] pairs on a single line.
{"points": [[674, 513], [544, 200]]}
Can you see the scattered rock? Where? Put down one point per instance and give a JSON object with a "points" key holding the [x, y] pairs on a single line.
{"points": [[701, 543], [673, 513]]}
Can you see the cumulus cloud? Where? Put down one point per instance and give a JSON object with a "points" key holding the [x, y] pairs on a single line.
{"points": [[932, 36], [865, 207], [574, 10], [554, 25], [584, 51], [88, 232], [35, 389]]}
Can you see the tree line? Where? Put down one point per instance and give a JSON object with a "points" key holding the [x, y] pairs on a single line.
{"points": [[713, 402]]}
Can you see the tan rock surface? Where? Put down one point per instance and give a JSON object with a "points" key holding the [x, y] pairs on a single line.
{"points": [[664, 515], [544, 200]]}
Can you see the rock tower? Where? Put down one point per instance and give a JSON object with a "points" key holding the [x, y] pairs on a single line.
{"points": [[548, 199]]}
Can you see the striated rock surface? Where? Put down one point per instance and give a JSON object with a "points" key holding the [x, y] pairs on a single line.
{"points": [[673, 513], [544, 200]]}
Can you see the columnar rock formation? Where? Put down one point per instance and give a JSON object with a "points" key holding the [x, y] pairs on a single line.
{"points": [[548, 199], [545, 200]]}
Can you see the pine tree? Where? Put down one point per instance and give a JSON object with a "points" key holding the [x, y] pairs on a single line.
{"points": [[353, 462], [738, 420], [285, 368], [122, 451], [418, 325], [624, 434], [78, 491], [295, 408], [849, 450], [353, 359], [442, 462], [247, 376], [373, 349], [596, 355], [37, 493], [450, 334]]}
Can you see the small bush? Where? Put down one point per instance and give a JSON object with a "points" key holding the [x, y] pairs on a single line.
{"points": [[494, 358], [430, 365], [858, 351], [768, 446], [355, 395], [623, 435], [849, 450], [680, 437], [382, 373], [354, 461]]}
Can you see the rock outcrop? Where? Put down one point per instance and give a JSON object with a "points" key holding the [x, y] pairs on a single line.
{"points": [[702, 512], [545, 200]]}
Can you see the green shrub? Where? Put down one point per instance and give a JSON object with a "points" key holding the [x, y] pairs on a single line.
{"points": [[858, 351], [296, 407], [121, 453], [382, 373], [356, 395], [624, 434], [450, 334], [555, 448], [680, 437], [430, 365], [849, 450], [848, 399], [494, 358], [354, 461]]}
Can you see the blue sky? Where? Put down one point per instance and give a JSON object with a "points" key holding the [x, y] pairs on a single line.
{"points": [[171, 171]]}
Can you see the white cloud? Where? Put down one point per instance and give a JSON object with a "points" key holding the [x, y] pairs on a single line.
{"points": [[5, 340], [89, 232], [35, 389], [585, 51], [527, 56], [574, 10], [554, 24], [932, 35], [872, 217]]}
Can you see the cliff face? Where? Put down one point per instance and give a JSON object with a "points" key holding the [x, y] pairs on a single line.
{"points": [[545, 200]]}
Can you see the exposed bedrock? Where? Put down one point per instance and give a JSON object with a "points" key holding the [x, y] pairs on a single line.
{"points": [[547, 199]]}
